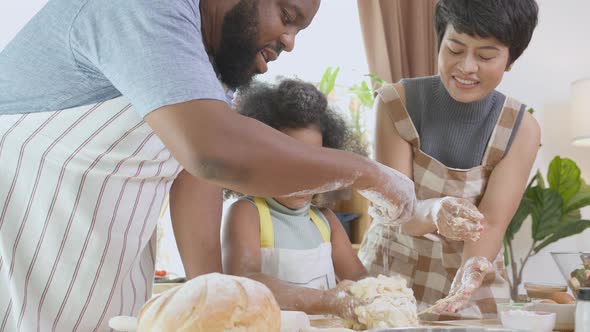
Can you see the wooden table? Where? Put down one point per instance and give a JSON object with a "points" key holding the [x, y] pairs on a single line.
{"points": [[486, 323]]}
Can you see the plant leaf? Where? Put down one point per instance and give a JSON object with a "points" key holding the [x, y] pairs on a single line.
{"points": [[565, 230], [363, 93], [524, 209], [378, 81], [328, 80], [564, 177], [324, 80], [571, 216], [506, 253], [539, 177], [546, 212], [580, 199]]}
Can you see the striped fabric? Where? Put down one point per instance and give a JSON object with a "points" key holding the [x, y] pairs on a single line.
{"points": [[80, 194], [429, 263]]}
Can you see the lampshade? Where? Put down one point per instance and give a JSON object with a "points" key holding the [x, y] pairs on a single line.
{"points": [[580, 116]]}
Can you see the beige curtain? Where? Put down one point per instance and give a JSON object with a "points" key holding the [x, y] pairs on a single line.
{"points": [[399, 37]]}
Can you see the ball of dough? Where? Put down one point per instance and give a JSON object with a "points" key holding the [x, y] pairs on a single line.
{"points": [[390, 303], [212, 303]]}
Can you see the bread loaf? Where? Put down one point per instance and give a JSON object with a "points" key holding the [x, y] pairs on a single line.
{"points": [[212, 303]]}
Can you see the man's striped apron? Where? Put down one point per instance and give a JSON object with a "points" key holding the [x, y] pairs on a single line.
{"points": [[80, 194]]}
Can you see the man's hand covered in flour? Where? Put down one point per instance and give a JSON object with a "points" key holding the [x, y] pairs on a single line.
{"points": [[339, 302], [467, 280], [393, 199], [455, 218]]}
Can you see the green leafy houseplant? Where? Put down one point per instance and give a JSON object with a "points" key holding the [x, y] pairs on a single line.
{"points": [[554, 210], [362, 97]]}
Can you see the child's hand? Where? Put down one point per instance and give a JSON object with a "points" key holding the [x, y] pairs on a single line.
{"points": [[339, 302]]}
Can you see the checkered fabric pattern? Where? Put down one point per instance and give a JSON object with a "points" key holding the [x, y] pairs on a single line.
{"points": [[429, 263]]}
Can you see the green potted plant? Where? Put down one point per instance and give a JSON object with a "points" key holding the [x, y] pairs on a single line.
{"points": [[554, 211], [361, 95]]}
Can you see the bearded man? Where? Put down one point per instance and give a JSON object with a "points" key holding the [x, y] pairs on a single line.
{"points": [[104, 104]]}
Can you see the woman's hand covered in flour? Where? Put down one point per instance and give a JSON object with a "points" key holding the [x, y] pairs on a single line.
{"points": [[456, 218], [393, 198], [467, 280], [339, 302]]}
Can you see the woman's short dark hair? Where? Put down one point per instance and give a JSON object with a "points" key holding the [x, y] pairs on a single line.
{"points": [[511, 22]]}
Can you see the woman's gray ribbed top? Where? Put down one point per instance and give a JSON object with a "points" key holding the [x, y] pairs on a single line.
{"points": [[454, 133]]}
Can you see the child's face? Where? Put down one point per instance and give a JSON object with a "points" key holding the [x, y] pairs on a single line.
{"points": [[312, 136], [471, 67]]}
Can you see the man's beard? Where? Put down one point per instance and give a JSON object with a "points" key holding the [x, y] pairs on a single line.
{"points": [[238, 50]]}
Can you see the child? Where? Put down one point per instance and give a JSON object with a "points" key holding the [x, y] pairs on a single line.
{"points": [[297, 249]]}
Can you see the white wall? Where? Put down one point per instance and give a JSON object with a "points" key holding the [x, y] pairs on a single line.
{"points": [[332, 39], [14, 15], [558, 55]]}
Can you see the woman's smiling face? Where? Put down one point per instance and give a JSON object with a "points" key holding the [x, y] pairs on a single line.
{"points": [[471, 67]]}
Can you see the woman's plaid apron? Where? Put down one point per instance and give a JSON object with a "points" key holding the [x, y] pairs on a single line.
{"points": [[430, 262]]}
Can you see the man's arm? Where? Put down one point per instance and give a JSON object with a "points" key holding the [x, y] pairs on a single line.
{"points": [[233, 151], [195, 210]]}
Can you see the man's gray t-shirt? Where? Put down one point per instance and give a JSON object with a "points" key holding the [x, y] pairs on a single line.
{"points": [[79, 52]]}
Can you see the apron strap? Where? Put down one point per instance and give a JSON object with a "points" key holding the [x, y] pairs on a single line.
{"points": [[399, 115], [266, 230], [501, 135], [320, 224]]}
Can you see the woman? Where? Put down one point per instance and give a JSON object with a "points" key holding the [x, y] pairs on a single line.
{"points": [[469, 150]]}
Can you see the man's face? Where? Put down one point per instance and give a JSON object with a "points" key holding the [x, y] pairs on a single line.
{"points": [[255, 32]]}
